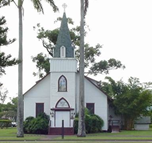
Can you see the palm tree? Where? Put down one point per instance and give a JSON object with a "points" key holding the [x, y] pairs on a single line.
{"points": [[38, 6], [81, 124]]}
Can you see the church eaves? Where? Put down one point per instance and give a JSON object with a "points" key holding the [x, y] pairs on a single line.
{"points": [[64, 39]]}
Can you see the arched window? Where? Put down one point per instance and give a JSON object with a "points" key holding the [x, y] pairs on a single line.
{"points": [[62, 103], [62, 52], [62, 84]]}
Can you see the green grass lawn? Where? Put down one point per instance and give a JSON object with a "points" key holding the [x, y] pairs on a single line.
{"points": [[123, 135], [10, 134]]}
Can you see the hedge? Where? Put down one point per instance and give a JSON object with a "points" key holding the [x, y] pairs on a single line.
{"points": [[5, 123]]}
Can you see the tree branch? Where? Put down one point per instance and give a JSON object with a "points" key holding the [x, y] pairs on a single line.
{"points": [[15, 3], [47, 49]]}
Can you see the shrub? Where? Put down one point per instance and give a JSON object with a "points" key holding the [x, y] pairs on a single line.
{"points": [[5, 123], [97, 124], [88, 123], [93, 123], [76, 125], [38, 125], [27, 124]]}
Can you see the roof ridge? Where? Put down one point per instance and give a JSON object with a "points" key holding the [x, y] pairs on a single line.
{"points": [[89, 79], [37, 82]]}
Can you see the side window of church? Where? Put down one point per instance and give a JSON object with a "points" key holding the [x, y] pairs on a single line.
{"points": [[62, 84], [39, 108], [90, 107]]}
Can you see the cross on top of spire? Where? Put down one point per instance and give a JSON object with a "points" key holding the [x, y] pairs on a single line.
{"points": [[64, 6]]}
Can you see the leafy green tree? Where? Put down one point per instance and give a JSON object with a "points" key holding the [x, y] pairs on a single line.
{"points": [[49, 38], [5, 60], [9, 110], [42, 63], [105, 66], [4, 41], [113, 88], [130, 100]]}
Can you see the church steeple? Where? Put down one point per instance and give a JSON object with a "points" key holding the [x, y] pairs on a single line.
{"points": [[64, 46]]}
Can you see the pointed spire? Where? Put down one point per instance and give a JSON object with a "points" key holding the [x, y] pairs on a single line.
{"points": [[64, 40]]}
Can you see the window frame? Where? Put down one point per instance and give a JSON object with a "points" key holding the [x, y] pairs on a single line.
{"points": [[62, 52], [59, 82], [93, 110], [36, 110]]}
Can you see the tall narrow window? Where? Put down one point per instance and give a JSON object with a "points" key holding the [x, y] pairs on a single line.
{"points": [[62, 84], [62, 52], [39, 108], [90, 107]]}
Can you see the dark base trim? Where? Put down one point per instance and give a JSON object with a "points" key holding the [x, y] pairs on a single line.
{"points": [[58, 131]]}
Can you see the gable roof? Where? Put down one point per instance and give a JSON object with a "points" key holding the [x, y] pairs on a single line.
{"points": [[92, 81], [96, 85], [37, 82]]}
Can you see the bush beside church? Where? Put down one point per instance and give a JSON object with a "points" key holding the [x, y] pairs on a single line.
{"points": [[39, 125]]}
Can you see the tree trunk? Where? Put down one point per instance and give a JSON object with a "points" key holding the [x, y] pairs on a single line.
{"points": [[81, 124], [20, 107], [129, 123]]}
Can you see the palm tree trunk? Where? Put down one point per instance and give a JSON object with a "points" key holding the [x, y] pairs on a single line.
{"points": [[81, 124], [20, 109]]}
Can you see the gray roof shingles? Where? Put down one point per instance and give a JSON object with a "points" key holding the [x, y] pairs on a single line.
{"points": [[64, 39]]}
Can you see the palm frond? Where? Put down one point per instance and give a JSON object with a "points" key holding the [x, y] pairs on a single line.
{"points": [[51, 2], [37, 5]]}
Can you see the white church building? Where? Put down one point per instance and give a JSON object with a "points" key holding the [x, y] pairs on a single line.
{"points": [[57, 94]]}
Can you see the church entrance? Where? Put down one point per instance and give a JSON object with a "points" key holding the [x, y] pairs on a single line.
{"points": [[62, 111], [63, 115]]}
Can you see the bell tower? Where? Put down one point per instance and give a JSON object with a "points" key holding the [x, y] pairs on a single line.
{"points": [[63, 68]]}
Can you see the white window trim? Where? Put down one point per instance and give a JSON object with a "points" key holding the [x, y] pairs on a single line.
{"points": [[62, 52]]}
